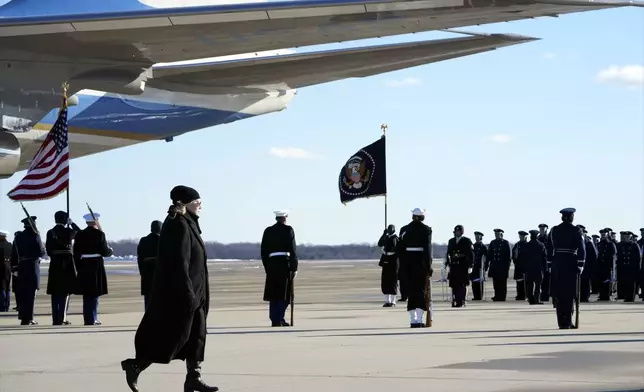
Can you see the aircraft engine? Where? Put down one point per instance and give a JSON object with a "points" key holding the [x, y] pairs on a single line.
{"points": [[9, 154]]}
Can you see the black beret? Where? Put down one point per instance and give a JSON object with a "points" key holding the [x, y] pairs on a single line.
{"points": [[184, 194], [521, 232]]}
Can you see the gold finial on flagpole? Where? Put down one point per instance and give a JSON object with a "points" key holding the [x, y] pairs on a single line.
{"points": [[383, 127], [65, 87]]}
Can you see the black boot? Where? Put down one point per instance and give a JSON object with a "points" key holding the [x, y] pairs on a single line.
{"points": [[133, 368], [193, 379]]}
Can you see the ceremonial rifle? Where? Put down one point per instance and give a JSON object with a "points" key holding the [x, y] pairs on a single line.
{"points": [[577, 302], [31, 223], [292, 297], [98, 224], [482, 277], [429, 302]]}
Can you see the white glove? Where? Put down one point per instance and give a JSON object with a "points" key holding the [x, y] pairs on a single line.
{"points": [[69, 221], [469, 270], [15, 274], [295, 275], [581, 269]]}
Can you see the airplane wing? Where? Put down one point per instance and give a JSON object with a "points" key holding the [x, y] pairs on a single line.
{"points": [[110, 50], [307, 69]]}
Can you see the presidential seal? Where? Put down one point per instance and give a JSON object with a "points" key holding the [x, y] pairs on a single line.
{"points": [[357, 174]]}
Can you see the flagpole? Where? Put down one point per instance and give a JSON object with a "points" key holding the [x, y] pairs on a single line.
{"points": [[65, 87], [384, 127]]}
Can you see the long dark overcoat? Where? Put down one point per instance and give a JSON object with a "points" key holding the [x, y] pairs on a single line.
{"points": [[174, 325]]}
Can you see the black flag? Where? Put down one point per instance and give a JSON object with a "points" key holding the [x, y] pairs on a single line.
{"points": [[365, 173]]}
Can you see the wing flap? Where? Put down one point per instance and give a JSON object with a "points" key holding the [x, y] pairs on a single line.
{"points": [[301, 70]]}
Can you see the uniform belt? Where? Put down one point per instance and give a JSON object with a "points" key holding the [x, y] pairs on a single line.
{"points": [[570, 251], [90, 256], [276, 254], [414, 249], [61, 252], [388, 253]]}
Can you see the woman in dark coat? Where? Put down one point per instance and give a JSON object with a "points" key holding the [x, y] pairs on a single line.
{"points": [[174, 325]]}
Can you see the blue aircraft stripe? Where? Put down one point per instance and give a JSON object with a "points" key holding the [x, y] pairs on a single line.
{"points": [[156, 119]]}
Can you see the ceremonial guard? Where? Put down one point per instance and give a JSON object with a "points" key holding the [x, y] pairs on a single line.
{"points": [[402, 273], [628, 267], [535, 259], [606, 257], [613, 236], [90, 247], [15, 281], [590, 266], [500, 254], [640, 242], [279, 257], [416, 257], [519, 272], [460, 257], [595, 281], [61, 281], [146, 257], [480, 267], [5, 272], [388, 242], [567, 258], [545, 283], [174, 325], [26, 254]]}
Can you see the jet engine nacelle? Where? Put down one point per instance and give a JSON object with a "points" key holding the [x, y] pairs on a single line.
{"points": [[9, 154]]}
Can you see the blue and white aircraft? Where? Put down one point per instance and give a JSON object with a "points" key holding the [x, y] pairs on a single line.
{"points": [[143, 70]]}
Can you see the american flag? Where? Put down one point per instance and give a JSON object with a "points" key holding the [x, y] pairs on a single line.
{"points": [[48, 173]]}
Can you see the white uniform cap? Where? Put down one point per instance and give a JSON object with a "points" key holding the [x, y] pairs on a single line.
{"points": [[4, 233], [280, 213], [418, 212], [88, 217]]}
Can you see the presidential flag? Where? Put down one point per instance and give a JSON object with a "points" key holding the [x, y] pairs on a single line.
{"points": [[365, 173], [48, 173]]}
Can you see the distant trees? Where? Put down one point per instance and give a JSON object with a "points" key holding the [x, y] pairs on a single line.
{"points": [[250, 251]]}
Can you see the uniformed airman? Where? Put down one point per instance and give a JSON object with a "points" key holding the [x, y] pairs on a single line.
{"points": [[90, 247], [628, 267], [595, 281], [460, 259], [500, 256], [567, 258], [279, 257], [5, 272], [480, 267], [535, 259], [519, 270], [590, 265], [416, 256], [545, 283], [26, 254], [388, 242]]}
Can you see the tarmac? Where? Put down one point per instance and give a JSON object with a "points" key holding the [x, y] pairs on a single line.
{"points": [[342, 340]]}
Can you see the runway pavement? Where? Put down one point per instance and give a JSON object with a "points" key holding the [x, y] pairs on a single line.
{"points": [[343, 340]]}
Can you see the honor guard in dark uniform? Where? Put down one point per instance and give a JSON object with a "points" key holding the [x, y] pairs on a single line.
{"points": [[15, 281], [628, 267], [568, 257], [90, 247], [5, 272], [595, 281], [590, 265], [402, 273], [460, 257], [606, 256], [640, 242], [613, 236], [146, 257], [480, 267], [416, 257], [535, 260], [388, 242], [26, 254], [61, 281], [279, 257], [545, 283], [519, 271], [500, 255]]}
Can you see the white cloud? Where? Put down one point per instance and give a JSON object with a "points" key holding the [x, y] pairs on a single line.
{"points": [[629, 75], [404, 82], [292, 152], [500, 138]]}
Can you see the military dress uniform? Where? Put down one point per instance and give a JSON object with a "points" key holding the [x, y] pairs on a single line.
{"points": [[416, 257], [567, 258], [460, 257], [61, 280], [606, 256], [535, 260], [402, 273], [545, 283], [146, 257], [595, 281], [26, 254], [640, 242], [479, 268], [519, 270], [388, 242], [279, 257], [628, 268], [5, 272], [590, 266], [500, 254], [90, 247]]}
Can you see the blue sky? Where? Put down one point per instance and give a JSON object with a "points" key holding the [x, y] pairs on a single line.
{"points": [[501, 139]]}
